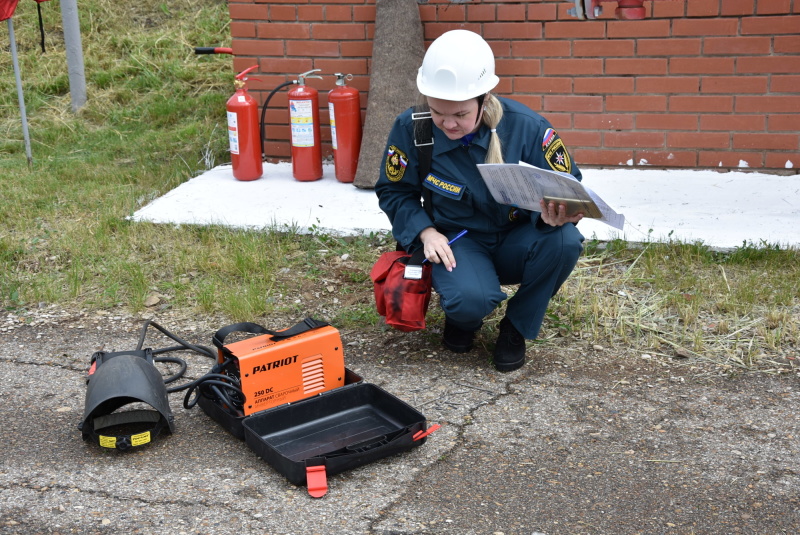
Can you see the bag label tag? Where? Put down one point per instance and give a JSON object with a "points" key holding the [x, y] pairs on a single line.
{"points": [[413, 272]]}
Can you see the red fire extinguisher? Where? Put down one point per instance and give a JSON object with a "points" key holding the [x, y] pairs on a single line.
{"points": [[304, 118], [243, 131], [344, 105]]}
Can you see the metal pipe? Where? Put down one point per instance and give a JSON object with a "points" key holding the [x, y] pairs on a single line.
{"points": [[72, 43], [20, 96]]}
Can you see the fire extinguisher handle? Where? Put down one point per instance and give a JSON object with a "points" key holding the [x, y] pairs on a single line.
{"points": [[243, 75], [342, 78], [301, 77], [212, 50]]}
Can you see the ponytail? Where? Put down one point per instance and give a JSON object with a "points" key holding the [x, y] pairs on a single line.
{"points": [[492, 114]]}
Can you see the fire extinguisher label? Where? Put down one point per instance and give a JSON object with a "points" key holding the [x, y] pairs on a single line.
{"points": [[333, 125], [302, 120], [233, 132]]}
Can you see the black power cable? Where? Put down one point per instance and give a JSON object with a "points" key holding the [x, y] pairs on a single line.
{"points": [[221, 384]]}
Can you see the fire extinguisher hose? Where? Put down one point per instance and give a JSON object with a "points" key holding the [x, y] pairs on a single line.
{"points": [[264, 109]]}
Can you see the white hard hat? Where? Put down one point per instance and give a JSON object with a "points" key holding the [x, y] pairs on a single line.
{"points": [[458, 66]]}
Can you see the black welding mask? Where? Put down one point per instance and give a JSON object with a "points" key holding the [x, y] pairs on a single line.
{"points": [[126, 401]]}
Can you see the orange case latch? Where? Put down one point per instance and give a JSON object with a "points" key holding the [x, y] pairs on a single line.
{"points": [[317, 481]]}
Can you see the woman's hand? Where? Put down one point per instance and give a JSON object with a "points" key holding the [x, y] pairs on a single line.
{"points": [[435, 247], [555, 215]]}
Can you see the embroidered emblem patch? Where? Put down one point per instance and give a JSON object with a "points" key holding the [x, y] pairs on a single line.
{"points": [[445, 186], [555, 152], [396, 163]]}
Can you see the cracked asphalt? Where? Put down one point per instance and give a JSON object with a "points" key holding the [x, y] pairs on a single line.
{"points": [[590, 442]]}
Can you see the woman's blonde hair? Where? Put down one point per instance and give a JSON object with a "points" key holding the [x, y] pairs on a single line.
{"points": [[492, 114]]}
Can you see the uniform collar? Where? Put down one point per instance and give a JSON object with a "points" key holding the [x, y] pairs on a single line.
{"points": [[442, 144]]}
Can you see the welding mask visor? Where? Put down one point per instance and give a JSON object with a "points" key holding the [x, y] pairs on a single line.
{"points": [[129, 381]]}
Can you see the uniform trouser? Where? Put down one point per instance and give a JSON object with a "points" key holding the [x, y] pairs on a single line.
{"points": [[538, 261]]}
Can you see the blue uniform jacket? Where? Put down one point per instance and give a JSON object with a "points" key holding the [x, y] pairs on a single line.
{"points": [[461, 199]]}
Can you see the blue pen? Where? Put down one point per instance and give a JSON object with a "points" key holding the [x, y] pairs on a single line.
{"points": [[451, 241]]}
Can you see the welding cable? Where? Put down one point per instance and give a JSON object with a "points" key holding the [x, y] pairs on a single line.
{"points": [[220, 386], [213, 380], [183, 346], [175, 360], [215, 385], [207, 351]]}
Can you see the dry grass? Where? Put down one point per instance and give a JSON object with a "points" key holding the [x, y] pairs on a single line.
{"points": [[735, 311]]}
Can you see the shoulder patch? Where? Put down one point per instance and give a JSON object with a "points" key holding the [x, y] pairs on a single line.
{"points": [[396, 163], [555, 152]]}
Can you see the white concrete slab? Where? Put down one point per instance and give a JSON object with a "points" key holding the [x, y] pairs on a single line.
{"points": [[718, 209]]}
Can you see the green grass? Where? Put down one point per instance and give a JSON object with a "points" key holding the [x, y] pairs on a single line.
{"points": [[155, 117], [152, 120], [738, 308]]}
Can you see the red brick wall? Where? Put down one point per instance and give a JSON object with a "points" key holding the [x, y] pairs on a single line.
{"points": [[698, 83]]}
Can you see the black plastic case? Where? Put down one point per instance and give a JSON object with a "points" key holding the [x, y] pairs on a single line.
{"points": [[341, 429]]}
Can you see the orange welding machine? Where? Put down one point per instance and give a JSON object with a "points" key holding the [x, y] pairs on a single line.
{"points": [[278, 367]]}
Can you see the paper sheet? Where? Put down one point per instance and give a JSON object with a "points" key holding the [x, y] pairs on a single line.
{"points": [[524, 185]]}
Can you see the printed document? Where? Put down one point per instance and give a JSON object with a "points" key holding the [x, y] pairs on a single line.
{"points": [[524, 185]]}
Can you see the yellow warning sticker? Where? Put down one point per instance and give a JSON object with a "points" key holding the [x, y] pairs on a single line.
{"points": [[108, 442], [140, 439]]}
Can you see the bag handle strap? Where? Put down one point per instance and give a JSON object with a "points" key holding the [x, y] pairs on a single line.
{"points": [[417, 258], [306, 325], [423, 140]]}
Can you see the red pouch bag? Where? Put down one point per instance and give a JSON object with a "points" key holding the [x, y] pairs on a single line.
{"points": [[402, 285]]}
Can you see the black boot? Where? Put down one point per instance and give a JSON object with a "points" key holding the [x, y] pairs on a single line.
{"points": [[457, 340], [509, 352]]}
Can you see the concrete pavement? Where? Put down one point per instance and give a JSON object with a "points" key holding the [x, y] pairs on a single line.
{"points": [[571, 443]]}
